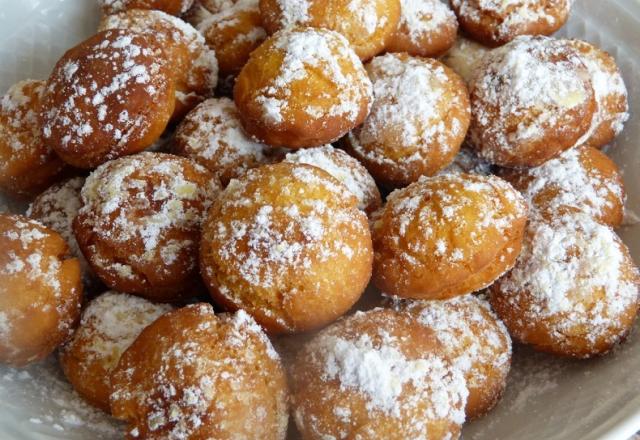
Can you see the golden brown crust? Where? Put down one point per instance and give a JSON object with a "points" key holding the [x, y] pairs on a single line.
{"points": [[110, 96], [573, 291], [464, 57], [27, 164], [375, 375], [302, 87], [40, 290], [581, 179], [173, 7], [194, 65], [447, 235], [139, 226], [530, 100], [366, 24], [417, 123], [227, 381], [427, 28], [287, 243], [496, 22], [109, 324]]}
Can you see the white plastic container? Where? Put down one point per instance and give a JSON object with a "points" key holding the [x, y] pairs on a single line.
{"points": [[547, 398]]}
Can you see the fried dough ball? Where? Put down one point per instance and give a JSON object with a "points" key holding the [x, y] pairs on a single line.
{"points": [[475, 340], [345, 169], [56, 208], [27, 164], [109, 325], [110, 96], [447, 235], [139, 226], [194, 65], [464, 57], [496, 22], [40, 290], [194, 374], [467, 161], [610, 93], [581, 179], [530, 100], [366, 24], [173, 7], [377, 375], [288, 244], [213, 136], [418, 121], [233, 31], [427, 28], [302, 87], [573, 291]]}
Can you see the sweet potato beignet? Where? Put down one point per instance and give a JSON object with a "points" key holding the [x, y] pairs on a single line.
{"points": [[366, 24], [110, 96], [27, 164], [40, 290], [194, 65], [139, 226], [447, 235], [288, 244], [530, 100], [573, 291], [418, 121], [377, 375], [194, 374], [496, 22], [109, 325], [302, 87]]}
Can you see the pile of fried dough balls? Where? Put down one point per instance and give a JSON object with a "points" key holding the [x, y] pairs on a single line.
{"points": [[211, 179]]}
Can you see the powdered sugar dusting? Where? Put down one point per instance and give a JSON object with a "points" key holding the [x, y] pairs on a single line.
{"points": [[421, 18]]}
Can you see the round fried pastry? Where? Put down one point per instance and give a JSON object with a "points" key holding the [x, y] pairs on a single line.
{"points": [[573, 291], [288, 244], [464, 57], [417, 123], [302, 87], [447, 235], [109, 325], [375, 375], [173, 7], [40, 290], [139, 226], [226, 380]]}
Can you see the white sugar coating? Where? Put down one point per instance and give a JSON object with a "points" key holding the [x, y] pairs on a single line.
{"points": [[423, 18], [412, 101], [608, 85], [109, 325], [473, 337], [406, 208], [175, 30], [517, 81], [131, 68], [292, 237], [344, 168], [181, 394], [213, 136], [575, 185], [512, 15], [573, 269], [228, 18], [293, 12], [465, 56], [122, 5], [119, 205], [56, 208], [322, 53], [467, 161], [373, 364]]}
